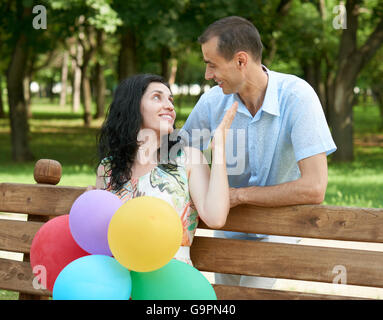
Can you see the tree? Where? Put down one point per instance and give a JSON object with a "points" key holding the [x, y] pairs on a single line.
{"points": [[100, 84], [351, 60], [372, 77], [2, 112], [89, 18], [5, 55], [150, 29], [336, 57], [15, 77], [23, 43]]}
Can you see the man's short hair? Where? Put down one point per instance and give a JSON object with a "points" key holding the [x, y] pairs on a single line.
{"points": [[234, 34]]}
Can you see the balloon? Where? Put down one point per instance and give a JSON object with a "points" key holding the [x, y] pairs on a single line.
{"points": [[175, 281], [89, 219], [145, 233], [53, 247], [94, 277]]}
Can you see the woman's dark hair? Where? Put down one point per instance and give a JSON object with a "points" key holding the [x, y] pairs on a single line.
{"points": [[234, 34], [118, 136]]}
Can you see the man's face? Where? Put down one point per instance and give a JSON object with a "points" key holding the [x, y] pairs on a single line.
{"points": [[224, 72]]}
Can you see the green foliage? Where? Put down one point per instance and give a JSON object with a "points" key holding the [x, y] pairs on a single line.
{"points": [[154, 22], [97, 13], [191, 68]]}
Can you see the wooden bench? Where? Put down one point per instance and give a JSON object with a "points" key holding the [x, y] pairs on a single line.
{"points": [[277, 260]]}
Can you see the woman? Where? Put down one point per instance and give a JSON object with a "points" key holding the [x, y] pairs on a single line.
{"points": [[133, 140]]}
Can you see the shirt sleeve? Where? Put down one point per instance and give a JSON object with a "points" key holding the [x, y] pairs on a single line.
{"points": [[196, 131], [310, 134]]}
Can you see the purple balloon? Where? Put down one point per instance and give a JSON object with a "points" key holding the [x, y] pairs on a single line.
{"points": [[89, 220]]}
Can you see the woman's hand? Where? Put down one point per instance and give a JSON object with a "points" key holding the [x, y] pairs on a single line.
{"points": [[219, 138]]}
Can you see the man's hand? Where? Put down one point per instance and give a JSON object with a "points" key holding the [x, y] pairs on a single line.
{"points": [[234, 197]]}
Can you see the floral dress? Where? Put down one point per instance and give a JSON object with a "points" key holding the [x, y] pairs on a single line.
{"points": [[169, 183]]}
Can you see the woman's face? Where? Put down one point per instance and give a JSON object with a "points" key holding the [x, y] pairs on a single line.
{"points": [[157, 109]]}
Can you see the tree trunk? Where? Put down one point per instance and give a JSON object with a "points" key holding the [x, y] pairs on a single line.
{"points": [[342, 119], [76, 81], [49, 90], [127, 59], [16, 100], [100, 91], [173, 71], [64, 79], [2, 112], [165, 55], [86, 93], [99, 77], [86, 96], [87, 40], [328, 85], [313, 75], [27, 94], [378, 97]]}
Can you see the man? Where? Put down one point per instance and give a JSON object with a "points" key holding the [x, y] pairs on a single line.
{"points": [[280, 137]]}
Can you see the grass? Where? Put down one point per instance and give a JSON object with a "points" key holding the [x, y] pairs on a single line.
{"points": [[8, 295], [360, 183], [357, 184]]}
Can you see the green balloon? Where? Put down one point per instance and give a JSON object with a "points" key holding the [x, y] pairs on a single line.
{"points": [[176, 280]]}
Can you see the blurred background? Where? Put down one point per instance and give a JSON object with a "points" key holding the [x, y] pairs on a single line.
{"points": [[61, 60]]}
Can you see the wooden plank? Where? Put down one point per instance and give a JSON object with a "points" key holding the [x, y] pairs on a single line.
{"points": [[18, 276], [287, 261], [224, 292], [308, 221], [17, 236], [311, 221], [38, 199]]}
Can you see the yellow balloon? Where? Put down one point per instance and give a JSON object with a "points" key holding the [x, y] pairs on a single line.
{"points": [[145, 233]]}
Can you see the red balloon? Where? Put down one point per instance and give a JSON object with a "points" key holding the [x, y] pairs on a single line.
{"points": [[52, 249]]}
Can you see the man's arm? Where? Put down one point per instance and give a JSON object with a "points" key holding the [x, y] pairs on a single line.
{"points": [[310, 188]]}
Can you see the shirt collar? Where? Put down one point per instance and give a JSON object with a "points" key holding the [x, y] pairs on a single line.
{"points": [[270, 102]]}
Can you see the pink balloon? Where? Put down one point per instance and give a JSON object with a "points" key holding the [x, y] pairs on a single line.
{"points": [[89, 220]]}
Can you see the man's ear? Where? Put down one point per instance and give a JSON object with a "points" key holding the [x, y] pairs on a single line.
{"points": [[241, 58]]}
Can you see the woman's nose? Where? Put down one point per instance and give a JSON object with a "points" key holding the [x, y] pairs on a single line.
{"points": [[169, 105]]}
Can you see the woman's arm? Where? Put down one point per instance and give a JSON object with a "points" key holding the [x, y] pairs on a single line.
{"points": [[209, 188]]}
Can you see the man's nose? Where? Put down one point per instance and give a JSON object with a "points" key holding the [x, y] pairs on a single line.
{"points": [[208, 74]]}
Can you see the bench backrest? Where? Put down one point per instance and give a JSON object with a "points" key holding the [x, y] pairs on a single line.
{"points": [[266, 259]]}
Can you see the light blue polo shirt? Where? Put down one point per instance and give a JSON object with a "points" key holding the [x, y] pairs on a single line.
{"points": [[264, 150]]}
